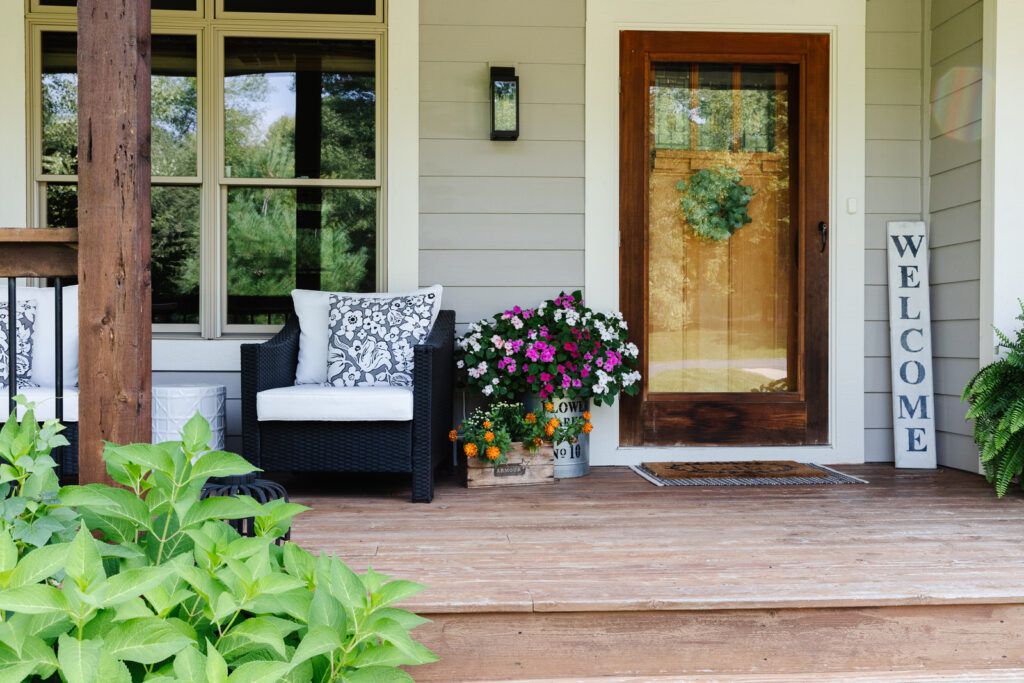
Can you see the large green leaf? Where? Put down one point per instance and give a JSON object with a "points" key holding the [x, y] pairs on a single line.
{"points": [[83, 563], [396, 591], [33, 599], [112, 670], [377, 674], [151, 457], [221, 507], [255, 634], [131, 583], [393, 633], [196, 434], [190, 665], [79, 659], [299, 562], [319, 640], [325, 610], [147, 640], [343, 583], [221, 464], [8, 551], [216, 667], [33, 658], [260, 672], [37, 565], [108, 501]]}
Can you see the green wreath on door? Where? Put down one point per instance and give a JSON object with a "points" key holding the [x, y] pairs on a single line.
{"points": [[714, 202]]}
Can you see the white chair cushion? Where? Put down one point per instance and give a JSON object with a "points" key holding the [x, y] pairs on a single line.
{"points": [[314, 403], [44, 363], [312, 308], [45, 403]]}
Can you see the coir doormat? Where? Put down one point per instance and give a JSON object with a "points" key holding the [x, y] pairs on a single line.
{"points": [[753, 473]]}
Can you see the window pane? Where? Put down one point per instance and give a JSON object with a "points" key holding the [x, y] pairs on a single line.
{"points": [[356, 7], [176, 255], [672, 108], [61, 205], [175, 104], [188, 5], [175, 246], [311, 238], [299, 108]]}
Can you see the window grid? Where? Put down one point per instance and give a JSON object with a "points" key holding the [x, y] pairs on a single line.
{"points": [[211, 26]]}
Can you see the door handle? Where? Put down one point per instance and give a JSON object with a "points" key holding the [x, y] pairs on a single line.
{"points": [[823, 231]]}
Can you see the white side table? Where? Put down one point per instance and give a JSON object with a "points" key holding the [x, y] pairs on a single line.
{"points": [[175, 404]]}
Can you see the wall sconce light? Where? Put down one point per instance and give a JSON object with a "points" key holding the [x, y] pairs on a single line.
{"points": [[504, 103]]}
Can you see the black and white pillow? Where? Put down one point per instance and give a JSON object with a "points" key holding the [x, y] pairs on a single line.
{"points": [[24, 325], [371, 340]]}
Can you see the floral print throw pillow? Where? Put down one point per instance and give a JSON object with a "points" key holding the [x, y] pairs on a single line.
{"points": [[24, 325], [371, 339]]}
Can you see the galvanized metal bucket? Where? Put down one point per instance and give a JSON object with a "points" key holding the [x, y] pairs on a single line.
{"points": [[571, 459]]}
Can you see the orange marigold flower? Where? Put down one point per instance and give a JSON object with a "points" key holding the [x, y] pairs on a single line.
{"points": [[471, 450], [530, 418], [493, 452], [537, 441], [488, 437], [554, 422], [453, 435], [587, 427], [487, 424], [586, 415], [549, 430], [549, 406]]}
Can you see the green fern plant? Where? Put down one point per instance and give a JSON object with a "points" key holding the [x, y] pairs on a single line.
{"points": [[996, 398]]}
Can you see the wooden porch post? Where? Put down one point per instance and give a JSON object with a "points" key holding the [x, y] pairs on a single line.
{"points": [[115, 348]]}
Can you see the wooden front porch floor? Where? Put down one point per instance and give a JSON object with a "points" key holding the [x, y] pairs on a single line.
{"points": [[612, 542]]}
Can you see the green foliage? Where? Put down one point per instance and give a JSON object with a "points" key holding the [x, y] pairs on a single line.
{"points": [[996, 397], [714, 202], [31, 516], [154, 586]]}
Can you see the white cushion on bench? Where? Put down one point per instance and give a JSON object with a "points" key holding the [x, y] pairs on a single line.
{"points": [[44, 362], [316, 403], [45, 403]]}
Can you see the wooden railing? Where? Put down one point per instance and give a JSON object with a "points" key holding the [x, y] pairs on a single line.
{"points": [[50, 253]]}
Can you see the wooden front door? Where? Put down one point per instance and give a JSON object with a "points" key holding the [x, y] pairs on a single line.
{"points": [[733, 328]]}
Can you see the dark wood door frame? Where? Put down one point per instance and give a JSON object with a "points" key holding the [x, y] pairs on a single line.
{"points": [[796, 418]]}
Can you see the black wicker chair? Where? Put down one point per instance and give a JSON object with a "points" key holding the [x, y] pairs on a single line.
{"points": [[415, 447]]}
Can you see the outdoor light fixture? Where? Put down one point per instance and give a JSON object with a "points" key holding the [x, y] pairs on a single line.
{"points": [[504, 103]]}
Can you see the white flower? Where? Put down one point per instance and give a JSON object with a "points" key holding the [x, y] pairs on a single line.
{"points": [[497, 341], [478, 371], [487, 390], [461, 364], [516, 322], [631, 350], [494, 381]]}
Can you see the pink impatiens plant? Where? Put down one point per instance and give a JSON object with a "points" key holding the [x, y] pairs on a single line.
{"points": [[561, 348]]}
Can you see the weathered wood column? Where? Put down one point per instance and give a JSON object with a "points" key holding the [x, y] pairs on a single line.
{"points": [[115, 351]]}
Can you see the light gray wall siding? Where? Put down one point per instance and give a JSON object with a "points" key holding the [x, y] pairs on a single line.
{"points": [[501, 222], [955, 207], [894, 188]]}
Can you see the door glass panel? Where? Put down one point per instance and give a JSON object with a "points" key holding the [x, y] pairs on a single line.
{"points": [[722, 313]]}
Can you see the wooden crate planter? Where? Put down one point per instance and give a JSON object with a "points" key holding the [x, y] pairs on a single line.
{"points": [[521, 468]]}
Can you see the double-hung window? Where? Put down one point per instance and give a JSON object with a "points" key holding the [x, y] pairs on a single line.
{"points": [[267, 149]]}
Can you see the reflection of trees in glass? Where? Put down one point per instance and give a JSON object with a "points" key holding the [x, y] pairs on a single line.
{"points": [[274, 233], [174, 152]]}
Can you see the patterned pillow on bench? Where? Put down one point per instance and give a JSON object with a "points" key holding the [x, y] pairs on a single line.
{"points": [[24, 325]]}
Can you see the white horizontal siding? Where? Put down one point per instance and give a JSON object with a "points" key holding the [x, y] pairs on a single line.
{"points": [[893, 187], [955, 170]]}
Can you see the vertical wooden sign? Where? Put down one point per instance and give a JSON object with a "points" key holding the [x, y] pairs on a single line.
{"points": [[913, 401]]}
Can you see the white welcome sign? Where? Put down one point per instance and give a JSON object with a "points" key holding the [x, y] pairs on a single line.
{"points": [[910, 337]]}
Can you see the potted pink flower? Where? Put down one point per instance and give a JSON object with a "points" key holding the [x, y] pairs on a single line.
{"points": [[560, 352]]}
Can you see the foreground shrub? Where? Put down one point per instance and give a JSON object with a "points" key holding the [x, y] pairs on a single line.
{"points": [[155, 587]]}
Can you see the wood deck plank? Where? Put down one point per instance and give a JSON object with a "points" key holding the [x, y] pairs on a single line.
{"points": [[613, 542]]}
